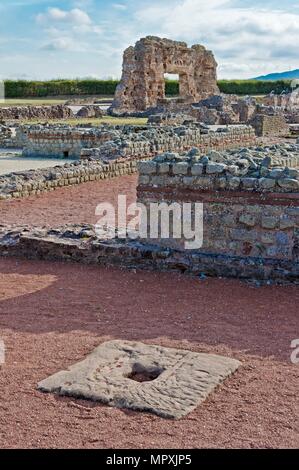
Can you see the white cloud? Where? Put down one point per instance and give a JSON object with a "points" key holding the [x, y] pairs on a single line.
{"points": [[60, 44], [119, 6], [75, 16], [67, 30], [252, 39]]}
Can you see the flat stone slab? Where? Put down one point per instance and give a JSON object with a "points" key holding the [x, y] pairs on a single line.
{"points": [[165, 381]]}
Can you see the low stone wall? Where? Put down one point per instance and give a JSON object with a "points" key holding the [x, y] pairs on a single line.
{"points": [[266, 125], [63, 141], [80, 244], [171, 139], [250, 204], [24, 184], [14, 113], [5, 136], [108, 142]]}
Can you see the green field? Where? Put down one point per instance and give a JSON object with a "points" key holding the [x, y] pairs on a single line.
{"points": [[53, 100], [32, 102], [106, 119]]}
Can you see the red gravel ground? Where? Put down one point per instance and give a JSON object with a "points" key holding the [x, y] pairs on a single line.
{"points": [[53, 314], [69, 205]]}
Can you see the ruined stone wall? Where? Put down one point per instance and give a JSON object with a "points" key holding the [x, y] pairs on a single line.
{"points": [[172, 139], [61, 141], [143, 84], [5, 136], [34, 182], [266, 125], [251, 210], [14, 113], [108, 143], [286, 100]]}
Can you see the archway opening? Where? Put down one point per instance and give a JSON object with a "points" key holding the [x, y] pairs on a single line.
{"points": [[172, 85]]}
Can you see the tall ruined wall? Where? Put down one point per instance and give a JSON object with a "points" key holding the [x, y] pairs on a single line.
{"points": [[143, 84]]}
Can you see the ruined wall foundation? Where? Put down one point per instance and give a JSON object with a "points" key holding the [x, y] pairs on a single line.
{"points": [[251, 207]]}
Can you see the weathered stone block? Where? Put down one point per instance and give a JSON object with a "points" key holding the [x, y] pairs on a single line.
{"points": [[269, 222], [197, 169], [164, 381], [248, 219], [180, 168]]}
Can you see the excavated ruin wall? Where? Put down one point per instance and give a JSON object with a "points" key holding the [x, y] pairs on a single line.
{"points": [[13, 113], [24, 184], [13, 140], [253, 221], [95, 144], [51, 142]]}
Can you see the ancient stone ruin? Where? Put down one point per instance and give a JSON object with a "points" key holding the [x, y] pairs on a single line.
{"points": [[142, 84], [113, 142], [250, 198]]}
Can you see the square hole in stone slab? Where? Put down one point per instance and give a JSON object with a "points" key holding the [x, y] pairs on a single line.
{"points": [[165, 381], [141, 373]]}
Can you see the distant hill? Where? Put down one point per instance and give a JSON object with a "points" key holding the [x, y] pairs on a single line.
{"points": [[290, 75]]}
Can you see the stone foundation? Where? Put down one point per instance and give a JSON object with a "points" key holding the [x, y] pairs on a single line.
{"points": [[250, 204], [112, 142], [24, 184], [80, 244]]}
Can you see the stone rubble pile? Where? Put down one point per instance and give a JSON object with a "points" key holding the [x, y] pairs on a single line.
{"points": [[36, 112], [90, 111]]}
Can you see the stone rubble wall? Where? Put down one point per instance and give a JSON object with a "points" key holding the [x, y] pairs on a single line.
{"points": [[5, 136], [54, 141], [174, 139], [287, 100], [13, 113], [81, 245], [34, 182], [251, 204], [13, 140], [109, 143]]}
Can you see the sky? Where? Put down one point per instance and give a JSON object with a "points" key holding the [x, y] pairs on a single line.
{"points": [[44, 39]]}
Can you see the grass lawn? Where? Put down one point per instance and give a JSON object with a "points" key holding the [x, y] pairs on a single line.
{"points": [[106, 119], [49, 100], [32, 101]]}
